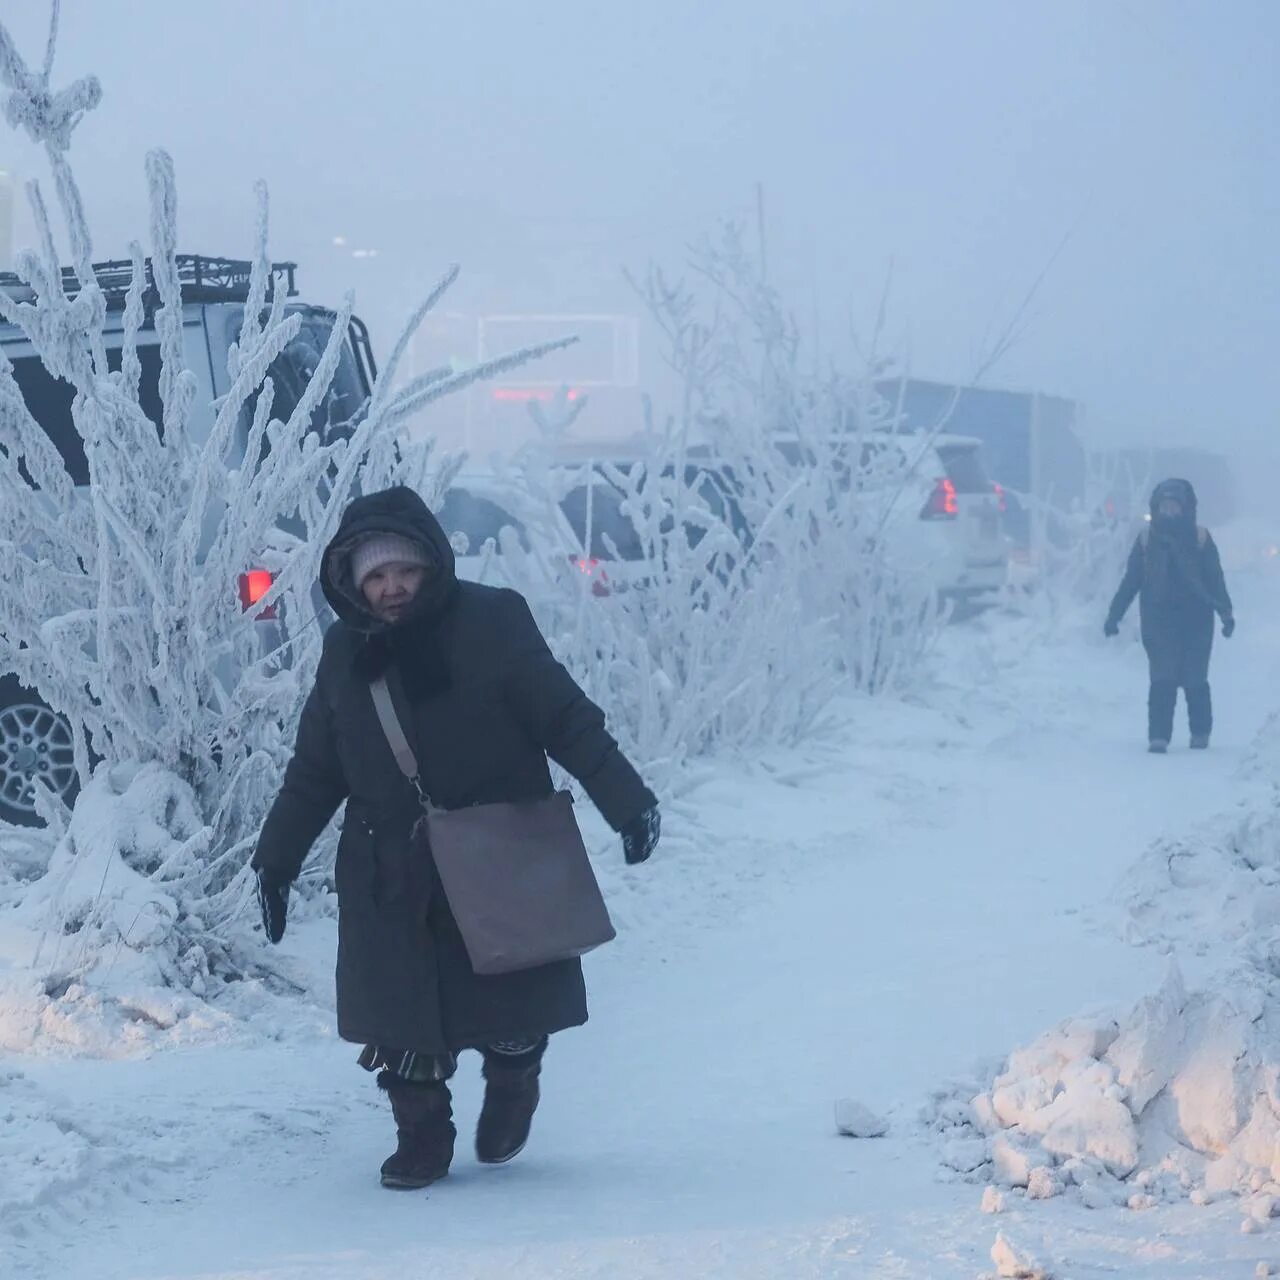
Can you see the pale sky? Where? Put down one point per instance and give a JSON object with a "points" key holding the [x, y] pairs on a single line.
{"points": [[546, 146]]}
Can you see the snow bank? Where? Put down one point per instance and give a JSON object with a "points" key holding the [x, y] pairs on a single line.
{"points": [[1216, 887], [1219, 884], [1179, 1099], [105, 954]]}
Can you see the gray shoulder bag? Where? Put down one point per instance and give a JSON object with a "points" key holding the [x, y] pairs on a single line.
{"points": [[517, 876]]}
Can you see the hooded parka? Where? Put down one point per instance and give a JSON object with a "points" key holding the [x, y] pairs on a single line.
{"points": [[1176, 572], [484, 703]]}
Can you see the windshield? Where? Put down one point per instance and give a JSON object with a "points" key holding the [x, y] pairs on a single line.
{"points": [[339, 409], [964, 468], [600, 505]]}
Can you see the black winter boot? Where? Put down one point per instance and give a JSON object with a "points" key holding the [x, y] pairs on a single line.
{"points": [[424, 1127], [511, 1096]]}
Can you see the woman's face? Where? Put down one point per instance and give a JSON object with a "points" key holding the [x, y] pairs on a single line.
{"points": [[1170, 507], [390, 590]]}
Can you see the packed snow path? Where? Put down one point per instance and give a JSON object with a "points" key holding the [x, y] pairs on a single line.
{"points": [[865, 919]]}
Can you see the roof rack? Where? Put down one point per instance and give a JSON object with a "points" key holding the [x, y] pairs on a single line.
{"points": [[203, 279]]}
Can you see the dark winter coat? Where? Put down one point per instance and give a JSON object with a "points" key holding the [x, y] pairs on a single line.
{"points": [[1175, 570], [485, 703]]}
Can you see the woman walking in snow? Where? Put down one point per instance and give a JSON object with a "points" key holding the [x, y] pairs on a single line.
{"points": [[487, 703], [1176, 571]]}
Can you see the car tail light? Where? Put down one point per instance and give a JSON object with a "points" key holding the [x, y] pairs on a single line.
{"points": [[253, 586], [591, 567], [1002, 499], [942, 504]]}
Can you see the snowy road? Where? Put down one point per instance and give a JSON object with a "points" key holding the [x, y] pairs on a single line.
{"points": [[866, 918]]}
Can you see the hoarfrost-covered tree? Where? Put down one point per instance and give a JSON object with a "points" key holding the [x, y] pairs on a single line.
{"points": [[756, 584], [120, 603]]}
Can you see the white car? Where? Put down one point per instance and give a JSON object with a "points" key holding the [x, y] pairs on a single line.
{"points": [[958, 529]]}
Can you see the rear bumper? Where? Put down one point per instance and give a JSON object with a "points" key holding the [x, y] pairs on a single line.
{"points": [[979, 577]]}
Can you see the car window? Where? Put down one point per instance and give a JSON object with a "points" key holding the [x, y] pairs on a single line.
{"points": [[339, 409], [719, 492], [293, 369], [964, 468], [600, 505], [478, 519], [49, 400]]}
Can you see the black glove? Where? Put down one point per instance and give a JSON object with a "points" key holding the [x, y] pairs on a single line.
{"points": [[273, 902], [640, 836], [1228, 627], [1110, 628]]}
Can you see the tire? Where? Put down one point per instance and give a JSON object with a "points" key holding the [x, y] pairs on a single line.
{"points": [[35, 743]]}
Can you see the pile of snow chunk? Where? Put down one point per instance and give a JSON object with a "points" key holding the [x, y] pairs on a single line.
{"points": [[855, 1119], [1014, 1263], [1178, 1100]]}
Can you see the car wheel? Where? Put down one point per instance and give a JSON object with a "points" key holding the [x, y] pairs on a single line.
{"points": [[36, 749]]}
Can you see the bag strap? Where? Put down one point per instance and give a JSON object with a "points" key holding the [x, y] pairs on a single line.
{"points": [[389, 719]]}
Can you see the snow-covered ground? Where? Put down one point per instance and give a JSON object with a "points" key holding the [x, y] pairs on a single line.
{"points": [[894, 908]]}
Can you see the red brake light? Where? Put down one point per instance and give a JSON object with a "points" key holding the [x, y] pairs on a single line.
{"points": [[253, 586], [523, 395], [591, 567], [1001, 498], [942, 504]]}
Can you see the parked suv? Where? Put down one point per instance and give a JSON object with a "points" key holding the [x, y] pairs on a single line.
{"points": [[35, 743]]}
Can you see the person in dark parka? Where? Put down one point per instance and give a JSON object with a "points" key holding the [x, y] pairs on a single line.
{"points": [[484, 703], [1176, 571]]}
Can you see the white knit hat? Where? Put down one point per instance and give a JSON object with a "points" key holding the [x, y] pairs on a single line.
{"points": [[381, 549]]}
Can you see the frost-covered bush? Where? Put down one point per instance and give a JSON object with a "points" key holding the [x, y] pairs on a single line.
{"points": [[690, 647], [759, 581], [1079, 552], [121, 604], [813, 478]]}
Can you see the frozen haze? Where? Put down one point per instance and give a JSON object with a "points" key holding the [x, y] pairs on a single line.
{"points": [[910, 931], [545, 146]]}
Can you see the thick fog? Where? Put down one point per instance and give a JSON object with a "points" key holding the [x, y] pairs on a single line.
{"points": [[1128, 146]]}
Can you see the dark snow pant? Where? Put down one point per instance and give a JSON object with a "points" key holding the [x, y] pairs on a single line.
{"points": [[1162, 700], [427, 1068], [1177, 659]]}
